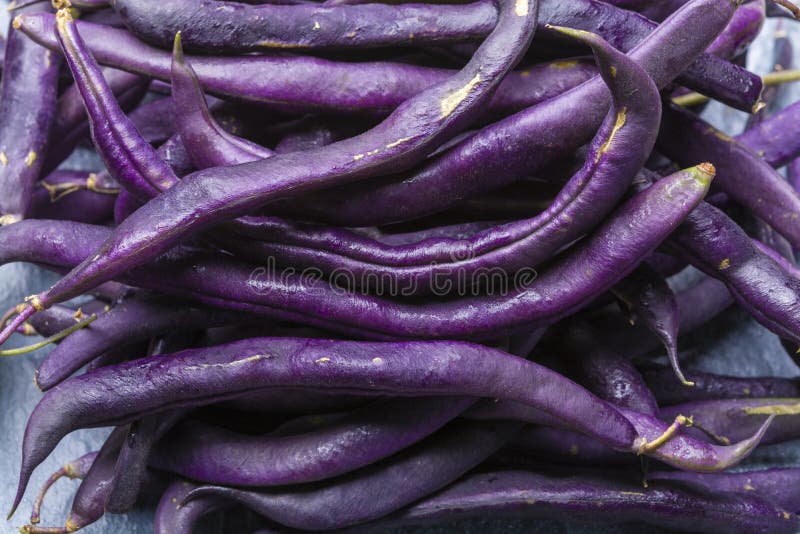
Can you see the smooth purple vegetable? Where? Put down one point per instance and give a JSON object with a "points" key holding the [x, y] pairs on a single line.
{"points": [[595, 498], [293, 83], [380, 489], [775, 138], [202, 376], [128, 322], [648, 298], [709, 386], [214, 26], [27, 107], [214, 455]]}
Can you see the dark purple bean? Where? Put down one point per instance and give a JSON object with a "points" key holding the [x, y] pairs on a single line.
{"points": [[216, 26], [27, 107], [403, 139], [70, 125], [174, 516], [710, 386], [566, 447], [642, 223], [294, 82], [60, 318], [207, 144], [648, 298], [743, 28], [774, 485], [605, 373], [214, 455], [617, 152], [775, 138], [743, 175], [120, 393], [128, 322], [360, 497], [595, 498]]}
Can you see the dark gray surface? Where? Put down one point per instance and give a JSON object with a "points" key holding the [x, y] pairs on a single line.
{"points": [[734, 344]]}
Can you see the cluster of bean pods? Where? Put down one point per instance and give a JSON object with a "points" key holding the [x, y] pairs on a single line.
{"points": [[355, 266]]}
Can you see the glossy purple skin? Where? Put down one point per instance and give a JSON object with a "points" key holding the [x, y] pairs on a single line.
{"points": [[128, 322], [566, 447], [379, 489], [743, 28], [793, 173], [60, 318], [214, 455], [28, 93], [605, 373], [89, 202], [521, 144], [128, 391], [731, 418], [647, 297], [744, 176], [70, 125], [594, 497], [207, 144], [780, 486], [775, 139], [716, 245], [710, 386], [637, 228], [404, 138], [173, 516], [617, 152], [294, 82], [130, 470], [221, 27], [88, 505], [684, 450], [128, 157]]}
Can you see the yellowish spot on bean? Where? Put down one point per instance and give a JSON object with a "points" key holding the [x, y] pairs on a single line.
{"points": [[377, 360], [748, 487], [358, 157], [724, 264], [773, 409], [521, 8], [30, 158], [3, 158], [563, 64], [398, 142], [323, 360], [316, 25], [450, 103], [613, 72], [620, 122]]}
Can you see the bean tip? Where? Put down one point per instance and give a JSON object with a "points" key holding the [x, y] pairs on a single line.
{"points": [[706, 172]]}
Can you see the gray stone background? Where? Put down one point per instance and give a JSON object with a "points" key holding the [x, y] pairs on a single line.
{"points": [[732, 344]]}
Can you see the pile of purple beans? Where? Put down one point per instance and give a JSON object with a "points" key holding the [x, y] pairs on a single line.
{"points": [[356, 266]]}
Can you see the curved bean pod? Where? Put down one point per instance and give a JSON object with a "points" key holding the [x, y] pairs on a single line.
{"points": [[75, 469], [213, 455], [175, 516], [775, 138], [293, 82], [128, 322], [404, 138], [223, 27], [708, 386], [203, 376], [74, 195], [411, 475], [644, 221], [595, 497], [28, 93]]}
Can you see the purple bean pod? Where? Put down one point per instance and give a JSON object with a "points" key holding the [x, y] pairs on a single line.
{"points": [[174, 516], [293, 82], [207, 144], [411, 475], [128, 322], [641, 223], [647, 296], [155, 121], [28, 93], [775, 138], [744, 176], [74, 195], [709, 386], [743, 28], [213, 455], [203, 376], [594, 498]]}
